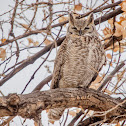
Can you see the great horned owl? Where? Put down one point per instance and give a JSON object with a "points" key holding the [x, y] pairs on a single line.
{"points": [[79, 58]]}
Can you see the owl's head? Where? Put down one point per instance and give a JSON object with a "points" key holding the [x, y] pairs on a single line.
{"points": [[81, 26]]}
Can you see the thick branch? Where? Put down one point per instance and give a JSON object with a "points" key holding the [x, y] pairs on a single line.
{"points": [[108, 16], [30, 105]]}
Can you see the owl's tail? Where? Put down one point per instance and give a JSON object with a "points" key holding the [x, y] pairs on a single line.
{"points": [[55, 114]]}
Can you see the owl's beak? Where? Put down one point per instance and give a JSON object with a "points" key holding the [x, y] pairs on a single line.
{"points": [[80, 32]]}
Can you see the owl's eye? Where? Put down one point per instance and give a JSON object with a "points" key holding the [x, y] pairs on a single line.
{"points": [[86, 28], [74, 28]]}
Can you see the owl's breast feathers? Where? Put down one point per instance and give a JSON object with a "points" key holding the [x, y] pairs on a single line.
{"points": [[82, 59]]}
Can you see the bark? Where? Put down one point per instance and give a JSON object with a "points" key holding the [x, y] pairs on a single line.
{"points": [[31, 105]]}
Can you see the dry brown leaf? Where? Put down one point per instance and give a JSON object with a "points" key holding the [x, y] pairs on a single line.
{"points": [[62, 19], [124, 14], [3, 75], [120, 26], [119, 29], [123, 6], [95, 84], [47, 42], [122, 18], [97, 80], [35, 123], [107, 32], [118, 49], [111, 64], [110, 21], [51, 121], [25, 26], [3, 40], [124, 33], [80, 107], [123, 23], [109, 56], [118, 124], [120, 75], [36, 43], [47, 110], [78, 110], [72, 113], [121, 49], [90, 113], [114, 60], [2, 54], [78, 7], [30, 40]]}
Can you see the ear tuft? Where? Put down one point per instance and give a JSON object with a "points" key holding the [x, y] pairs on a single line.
{"points": [[90, 18], [71, 19]]}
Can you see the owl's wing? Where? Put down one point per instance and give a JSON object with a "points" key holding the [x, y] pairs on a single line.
{"points": [[59, 61], [102, 62]]}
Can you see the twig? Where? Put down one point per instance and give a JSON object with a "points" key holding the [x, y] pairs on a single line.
{"points": [[30, 60], [75, 118], [102, 19], [36, 8], [7, 120], [111, 75], [66, 117], [42, 83], [12, 19], [32, 77]]}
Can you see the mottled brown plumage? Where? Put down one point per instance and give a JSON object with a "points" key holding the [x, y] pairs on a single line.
{"points": [[79, 58]]}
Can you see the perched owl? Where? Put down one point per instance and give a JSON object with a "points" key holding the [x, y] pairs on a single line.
{"points": [[79, 58]]}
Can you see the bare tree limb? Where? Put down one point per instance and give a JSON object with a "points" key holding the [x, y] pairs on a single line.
{"points": [[29, 61], [13, 16], [42, 83], [30, 105], [111, 75], [75, 118], [108, 16], [7, 121], [101, 8], [90, 120], [97, 21]]}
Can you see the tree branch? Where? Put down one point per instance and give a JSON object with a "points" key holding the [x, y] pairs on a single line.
{"points": [[108, 16], [97, 21], [30, 105], [42, 83], [29, 61], [111, 75]]}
